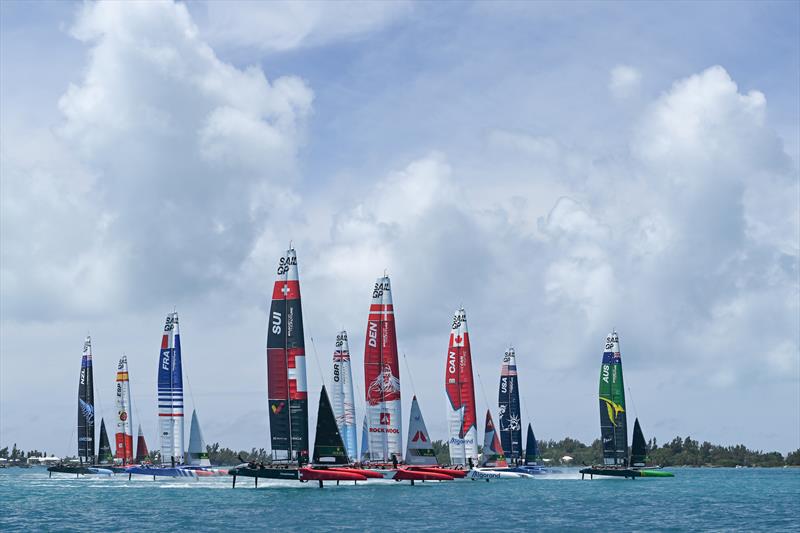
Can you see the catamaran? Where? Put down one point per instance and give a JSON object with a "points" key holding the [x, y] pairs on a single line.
{"points": [[613, 423], [343, 397], [460, 389], [85, 421], [493, 463]]}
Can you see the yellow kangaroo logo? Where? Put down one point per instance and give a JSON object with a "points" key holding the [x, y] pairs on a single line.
{"points": [[613, 410]]}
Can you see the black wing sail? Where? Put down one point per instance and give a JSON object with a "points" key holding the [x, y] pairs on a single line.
{"points": [[531, 448], [328, 447], [104, 454], [638, 446], [86, 406]]}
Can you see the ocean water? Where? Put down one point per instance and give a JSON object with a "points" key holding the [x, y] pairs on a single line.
{"points": [[694, 500]]}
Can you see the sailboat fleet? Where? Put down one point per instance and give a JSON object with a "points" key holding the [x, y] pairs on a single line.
{"points": [[335, 455]]}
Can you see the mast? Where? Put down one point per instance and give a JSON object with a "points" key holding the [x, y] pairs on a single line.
{"points": [[460, 389], [382, 376], [509, 408], [286, 365], [613, 425], [419, 450], [328, 444], [124, 434], [343, 400], [86, 406], [170, 392]]}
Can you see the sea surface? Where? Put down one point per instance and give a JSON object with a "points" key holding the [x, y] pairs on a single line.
{"points": [[720, 499]]}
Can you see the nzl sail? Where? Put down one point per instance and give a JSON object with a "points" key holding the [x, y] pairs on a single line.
{"points": [[509, 413], [460, 388], [124, 435], [198, 454], [382, 377], [286, 366], [419, 450], [343, 398], [492, 449], [613, 425], [329, 447], [86, 406], [170, 392]]}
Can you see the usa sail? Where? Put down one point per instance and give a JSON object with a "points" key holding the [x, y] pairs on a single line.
{"points": [[343, 397], [509, 410], [141, 447], [613, 425], [493, 455], [198, 454], [124, 435], [460, 389], [329, 448], [382, 377], [286, 366], [86, 406], [170, 392], [419, 449], [104, 454]]}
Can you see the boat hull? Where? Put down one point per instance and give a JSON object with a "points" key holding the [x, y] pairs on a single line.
{"points": [[85, 470], [624, 472], [266, 472], [487, 474]]}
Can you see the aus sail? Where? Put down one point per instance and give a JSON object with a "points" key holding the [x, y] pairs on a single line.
{"points": [[287, 388], [343, 399], [382, 377], [170, 392], [86, 406], [124, 434], [460, 389], [509, 413], [613, 424]]}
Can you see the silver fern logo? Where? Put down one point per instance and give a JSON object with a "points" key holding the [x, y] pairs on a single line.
{"points": [[87, 410]]}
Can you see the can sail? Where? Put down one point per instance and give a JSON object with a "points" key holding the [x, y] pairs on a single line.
{"points": [[329, 447], [141, 447], [198, 454], [286, 366], [492, 448], [531, 448], [343, 397], [104, 455], [460, 389], [170, 392], [382, 377], [124, 435], [638, 446], [419, 450], [86, 406], [509, 413], [613, 426]]}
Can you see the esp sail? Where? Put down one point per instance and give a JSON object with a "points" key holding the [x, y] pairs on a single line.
{"points": [[170, 392], [343, 397], [460, 389], [124, 435], [613, 425], [492, 448], [104, 455], [86, 406], [419, 449], [509, 410], [638, 446], [382, 377], [531, 448], [198, 453], [329, 448], [141, 447], [286, 366]]}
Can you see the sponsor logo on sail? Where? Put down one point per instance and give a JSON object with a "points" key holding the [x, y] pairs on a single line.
{"points": [[614, 409], [419, 435], [386, 419], [385, 387], [277, 407]]}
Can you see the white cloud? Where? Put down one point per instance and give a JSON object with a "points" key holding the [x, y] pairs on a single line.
{"points": [[624, 81]]}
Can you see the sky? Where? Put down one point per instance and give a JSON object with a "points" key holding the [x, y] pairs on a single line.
{"points": [[557, 169]]}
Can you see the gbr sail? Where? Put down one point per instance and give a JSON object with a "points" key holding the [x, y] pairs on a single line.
{"points": [[343, 399], [170, 392], [509, 410], [613, 424], [460, 389], [124, 434], [86, 406], [287, 388], [419, 450], [382, 377]]}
